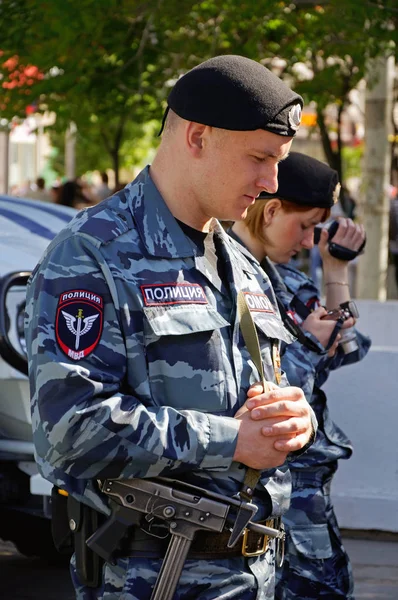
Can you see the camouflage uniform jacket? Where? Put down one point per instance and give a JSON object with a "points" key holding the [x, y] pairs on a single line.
{"points": [[136, 360], [309, 370]]}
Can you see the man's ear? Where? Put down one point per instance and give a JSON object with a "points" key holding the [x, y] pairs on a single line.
{"points": [[194, 135], [271, 208]]}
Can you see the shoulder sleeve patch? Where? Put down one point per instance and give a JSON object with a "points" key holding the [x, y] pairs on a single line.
{"points": [[79, 322]]}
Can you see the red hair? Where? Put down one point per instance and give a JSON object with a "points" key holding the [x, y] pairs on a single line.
{"points": [[254, 220]]}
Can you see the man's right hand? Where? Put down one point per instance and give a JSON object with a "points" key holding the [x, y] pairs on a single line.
{"points": [[255, 450], [284, 416]]}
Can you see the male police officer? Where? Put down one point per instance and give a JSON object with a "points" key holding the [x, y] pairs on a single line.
{"points": [[136, 357]]}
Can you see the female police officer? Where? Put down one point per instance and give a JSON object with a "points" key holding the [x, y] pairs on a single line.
{"points": [[277, 227]]}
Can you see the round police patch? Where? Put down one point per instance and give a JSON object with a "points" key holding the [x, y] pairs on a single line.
{"points": [[79, 322]]}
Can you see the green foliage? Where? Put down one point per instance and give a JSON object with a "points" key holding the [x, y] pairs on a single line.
{"points": [[107, 64], [90, 154], [139, 148], [135, 151], [352, 157]]}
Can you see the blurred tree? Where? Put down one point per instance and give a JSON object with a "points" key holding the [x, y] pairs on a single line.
{"points": [[106, 65], [104, 62], [109, 62], [322, 49], [90, 153]]}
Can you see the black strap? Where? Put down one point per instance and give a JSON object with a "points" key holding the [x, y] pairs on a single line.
{"points": [[296, 330], [336, 330], [301, 309], [302, 338]]}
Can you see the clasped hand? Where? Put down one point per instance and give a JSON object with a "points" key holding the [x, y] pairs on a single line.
{"points": [[273, 423]]}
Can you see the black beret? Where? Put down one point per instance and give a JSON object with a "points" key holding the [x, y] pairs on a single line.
{"points": [[236, 93], [306, 181]]}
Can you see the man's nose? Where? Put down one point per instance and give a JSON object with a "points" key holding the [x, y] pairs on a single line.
{"points": [[268, 181]]}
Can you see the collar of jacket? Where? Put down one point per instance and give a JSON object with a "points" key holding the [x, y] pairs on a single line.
{"points": [[277, 280], [243, 249], [157, 228]]}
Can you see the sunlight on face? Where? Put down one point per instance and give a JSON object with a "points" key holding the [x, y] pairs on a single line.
{"points": [[235, 166], [289, 232]]}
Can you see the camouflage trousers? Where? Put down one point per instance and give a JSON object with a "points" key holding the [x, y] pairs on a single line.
{"points": [[316, 565], [236, 578]]}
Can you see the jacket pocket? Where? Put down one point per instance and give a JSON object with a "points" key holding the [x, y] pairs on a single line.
{"points": [[313, 542], [271, 326], [270, 331], [188, 359]]}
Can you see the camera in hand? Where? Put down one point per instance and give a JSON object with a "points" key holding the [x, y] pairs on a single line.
{"points": [[348, 341], [336, 250], [345, 311], [332, 227]]}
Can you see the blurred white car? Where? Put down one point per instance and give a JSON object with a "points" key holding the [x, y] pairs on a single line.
{"points": [[26, 228]]}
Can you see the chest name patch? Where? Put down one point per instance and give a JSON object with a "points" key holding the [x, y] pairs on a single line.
{"points": [[161, 294], [259, 303], [79, 323]]}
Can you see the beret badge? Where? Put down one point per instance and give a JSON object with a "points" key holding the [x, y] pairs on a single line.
{"points": [[336, 193], [295, 117]]}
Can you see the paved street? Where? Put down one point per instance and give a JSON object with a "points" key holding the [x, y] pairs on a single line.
{"points": [[29, 579], [375, 567]]}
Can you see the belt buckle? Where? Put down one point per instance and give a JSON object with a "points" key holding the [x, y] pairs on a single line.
{"points": [[258, 552]]}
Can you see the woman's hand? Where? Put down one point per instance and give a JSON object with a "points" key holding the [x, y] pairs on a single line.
{"points": [[322, 328], [349, 234]]}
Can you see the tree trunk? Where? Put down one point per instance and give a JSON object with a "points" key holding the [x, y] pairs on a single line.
{"points": [[374, 211], [70, 152], [4, 159], [325, 139], [116, 147], [339, 153], [115, 164]]}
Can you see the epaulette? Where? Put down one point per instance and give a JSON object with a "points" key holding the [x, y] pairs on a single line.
{"points": [[108, 220], [293, 274]]}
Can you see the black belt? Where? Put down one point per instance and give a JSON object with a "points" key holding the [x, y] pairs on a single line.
{"points": [[206, 545]]}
